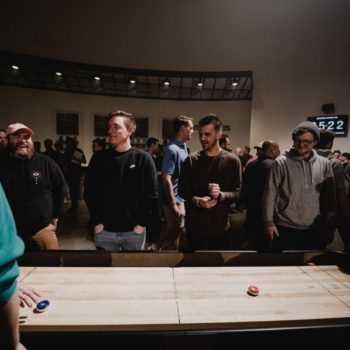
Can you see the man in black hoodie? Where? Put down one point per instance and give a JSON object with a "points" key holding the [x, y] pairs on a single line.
{"points": [[35, 188]]}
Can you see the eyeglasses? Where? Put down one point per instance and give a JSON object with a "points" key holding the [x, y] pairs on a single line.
{"points": [[304, 142]]}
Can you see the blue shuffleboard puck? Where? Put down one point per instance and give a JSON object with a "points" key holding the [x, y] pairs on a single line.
{"points": [[42, 305]]}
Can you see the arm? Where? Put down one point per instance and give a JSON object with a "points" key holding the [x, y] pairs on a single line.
{"points": [[269, 198], [9, 324], [168, 185], [230, 197], [59, 190], [93, 191], [343, 192], [149, 195]]}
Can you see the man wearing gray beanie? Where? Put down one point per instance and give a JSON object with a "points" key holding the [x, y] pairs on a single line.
{"points": [[299, 199], [307, 127]]}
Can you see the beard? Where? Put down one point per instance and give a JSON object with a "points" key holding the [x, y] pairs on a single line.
{"points": [[21, 153], [208, 146]]}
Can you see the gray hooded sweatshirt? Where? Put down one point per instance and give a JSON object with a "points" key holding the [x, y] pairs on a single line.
{"points": [[299, 192]]}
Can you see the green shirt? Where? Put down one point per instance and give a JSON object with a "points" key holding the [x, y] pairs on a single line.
{"points": [[11, 247]]}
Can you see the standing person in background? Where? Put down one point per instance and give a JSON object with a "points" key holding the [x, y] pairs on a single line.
{"points": [[11, 247], [153, 229], [344, 208], [174, 155], [324, 149], [73, 158], [210, 182], [121, 186], [35, 188], [37, 147], [299, 201], [54, 155], [225, 143], [98, 145], [254, 179], [3, 139]]}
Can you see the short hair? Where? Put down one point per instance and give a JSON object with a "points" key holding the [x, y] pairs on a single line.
{"points": [[99, 141], [3, 130], [223, 139], [151, 141], [346, 155], [129, 119], [211, 119], [326, 137], [179, 121]]}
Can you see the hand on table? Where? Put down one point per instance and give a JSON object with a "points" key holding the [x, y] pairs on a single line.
{"points": [[27, 295]]}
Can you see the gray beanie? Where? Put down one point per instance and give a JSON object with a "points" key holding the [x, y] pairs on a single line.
{"points": [[308, 126]]}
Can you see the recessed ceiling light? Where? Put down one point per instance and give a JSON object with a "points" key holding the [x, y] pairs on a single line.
{"points": [[59, 74], [15, 67], [97, 78], [132, 81], [200, 84], [166, 83], [234, 83]]}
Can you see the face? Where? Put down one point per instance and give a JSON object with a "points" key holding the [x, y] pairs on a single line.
{"points": [[275, 151], [209, 137], [96, 147], [155, 148], [3, 139], [188, 130], [304, 143], [21, 145], [117, 131], [226, 145]]}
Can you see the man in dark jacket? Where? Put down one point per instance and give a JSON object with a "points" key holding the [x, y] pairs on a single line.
{"points": [[35, 188]]}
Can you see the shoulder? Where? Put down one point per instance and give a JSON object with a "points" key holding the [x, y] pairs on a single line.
{"points": [[171, 148], [140, 154]]}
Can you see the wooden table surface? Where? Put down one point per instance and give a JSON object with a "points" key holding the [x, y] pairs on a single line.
{"points": [[185, 298]]}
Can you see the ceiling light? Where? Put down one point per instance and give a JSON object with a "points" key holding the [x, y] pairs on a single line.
{"points": [[166, 83], [15, 67], [234, 83], [199, 84], [59, 74], [97, 78], [132, 81]]}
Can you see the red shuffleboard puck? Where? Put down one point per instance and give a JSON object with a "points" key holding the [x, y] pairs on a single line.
{"points": [[253, 291]]}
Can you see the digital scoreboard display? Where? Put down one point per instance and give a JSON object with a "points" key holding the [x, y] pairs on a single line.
{"points": [[335, 122]]}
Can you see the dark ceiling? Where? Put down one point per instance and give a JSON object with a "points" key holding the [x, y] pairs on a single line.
{"points": [[41, 73]]}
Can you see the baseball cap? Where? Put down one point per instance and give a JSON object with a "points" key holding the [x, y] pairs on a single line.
{"points": [[259, 145], [12, 128]]}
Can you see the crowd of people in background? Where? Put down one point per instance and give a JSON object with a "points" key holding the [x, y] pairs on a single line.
{"points": [[165, 197]]}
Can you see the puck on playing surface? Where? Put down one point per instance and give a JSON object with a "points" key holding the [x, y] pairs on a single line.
{"points": [[253, 291], [42, 306]]}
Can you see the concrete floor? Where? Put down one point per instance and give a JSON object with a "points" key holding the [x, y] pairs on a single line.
{"points": [[73, 231]]}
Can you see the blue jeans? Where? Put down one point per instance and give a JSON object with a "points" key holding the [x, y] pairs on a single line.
{"points": [[115, 241]]}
